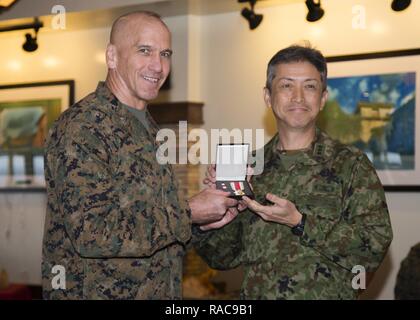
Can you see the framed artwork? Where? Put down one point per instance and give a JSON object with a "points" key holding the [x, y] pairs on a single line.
{"points": [[27, 111], [374, 104]]}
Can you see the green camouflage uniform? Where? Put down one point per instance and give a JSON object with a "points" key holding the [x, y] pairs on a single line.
{"points": [[347, 225], [407, 286], [114, 221]]}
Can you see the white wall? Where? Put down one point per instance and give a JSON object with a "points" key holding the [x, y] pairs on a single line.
{"points": [[77, 55], [21, 229], [233, 75]]}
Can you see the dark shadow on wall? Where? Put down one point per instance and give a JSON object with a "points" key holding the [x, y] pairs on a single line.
{"points": [[379, 280]]}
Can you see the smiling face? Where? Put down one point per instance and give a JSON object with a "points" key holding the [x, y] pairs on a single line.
{"points": [[296, 96], [139, 59]]}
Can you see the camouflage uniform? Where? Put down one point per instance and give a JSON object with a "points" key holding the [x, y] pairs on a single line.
{"points": [[113, 219], [408, 278], [347, 224]]}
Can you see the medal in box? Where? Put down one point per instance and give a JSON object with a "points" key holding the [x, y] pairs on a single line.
{"points": [[231, 169]]}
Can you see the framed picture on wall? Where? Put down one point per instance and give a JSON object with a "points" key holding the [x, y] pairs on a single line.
{"points": [[27, 111], [374, 104]]}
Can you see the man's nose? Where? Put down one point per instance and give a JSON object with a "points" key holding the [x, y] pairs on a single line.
{"points": [[156, 63], [298, 95]]}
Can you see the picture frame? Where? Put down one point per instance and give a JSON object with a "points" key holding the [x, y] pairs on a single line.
{"points": [[374, 103], [27, 112]]}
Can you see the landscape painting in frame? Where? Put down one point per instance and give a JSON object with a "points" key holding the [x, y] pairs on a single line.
{"points": [[373, 104], [376, 113], [27, 112]]}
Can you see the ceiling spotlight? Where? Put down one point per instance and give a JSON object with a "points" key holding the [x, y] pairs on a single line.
{"points": [[400, 5], [30, 44], [315, 12], [253, 19]]}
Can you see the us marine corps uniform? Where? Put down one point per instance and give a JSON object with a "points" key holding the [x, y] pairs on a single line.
{"points": [[114, 221], [347, 224]]}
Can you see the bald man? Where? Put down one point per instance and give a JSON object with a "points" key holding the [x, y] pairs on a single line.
{"points": [[115, 228]]}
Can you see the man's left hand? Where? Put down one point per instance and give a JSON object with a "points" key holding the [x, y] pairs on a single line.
{"points": [[230, 214], [282, 211]]}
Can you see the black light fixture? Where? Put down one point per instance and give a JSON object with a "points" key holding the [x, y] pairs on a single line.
{"points": [[400, 5], [253, 19], [30, 44], [315, 12]]}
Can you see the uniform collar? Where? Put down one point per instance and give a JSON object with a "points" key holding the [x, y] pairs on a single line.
{"points": [[113, 105], [320, 151], [106, 96]]}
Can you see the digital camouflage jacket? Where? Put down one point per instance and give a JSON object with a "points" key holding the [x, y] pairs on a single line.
{"points": [[113, 221], [347, 225]]}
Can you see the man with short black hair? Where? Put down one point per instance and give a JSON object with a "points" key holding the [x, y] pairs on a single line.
{"points": [[320, 209]]}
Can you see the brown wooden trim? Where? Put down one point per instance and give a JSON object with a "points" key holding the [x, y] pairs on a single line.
{"points": [[173, 112]]}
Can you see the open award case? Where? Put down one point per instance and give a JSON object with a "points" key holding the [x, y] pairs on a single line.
{"points": [[231, 168]]}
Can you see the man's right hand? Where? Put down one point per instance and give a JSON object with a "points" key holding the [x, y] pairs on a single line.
{"points": [[210, 181], [210, 205]]}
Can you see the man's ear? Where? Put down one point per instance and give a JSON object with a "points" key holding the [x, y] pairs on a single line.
{"points": [[267, 97], [324, 99], [111, 56]]}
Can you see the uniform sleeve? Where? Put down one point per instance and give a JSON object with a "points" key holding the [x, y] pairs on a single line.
{"points": [[362, 233], [99, 218], [221, 248]]}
